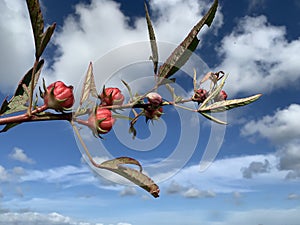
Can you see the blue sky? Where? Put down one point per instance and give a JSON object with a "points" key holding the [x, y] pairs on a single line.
{"points": [[254, 178]]}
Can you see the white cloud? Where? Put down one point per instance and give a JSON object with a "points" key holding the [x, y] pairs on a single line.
{"points": [[196, 193], [28, 218], [293, 196], [19, 155], [256, 168], [54, 218], [94, 30], [224, 176], [289, 158], [128, 191], [258, 57], [281, 127], [3, 174], [16, 43], [261, 216]]}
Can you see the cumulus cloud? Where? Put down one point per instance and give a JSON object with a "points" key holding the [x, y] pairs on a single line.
{"points": [[289, 158], [293, 196], [28, 218], [3, 174], [128, 191], [16, 43], [19, 155], [88, 34], [256, 168], [281, 127], [196, 193], [250, 53], [223, 176]]}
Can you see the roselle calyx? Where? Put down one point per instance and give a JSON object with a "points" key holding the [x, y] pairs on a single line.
{"points": [[111, 96], [199, 96], [59, 96], [101, 121]]}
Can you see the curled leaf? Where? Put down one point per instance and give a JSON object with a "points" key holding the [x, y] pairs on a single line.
{"points": [[137, 177]]}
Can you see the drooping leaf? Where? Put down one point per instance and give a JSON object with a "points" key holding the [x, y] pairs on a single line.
{"points": [[132, 130], [222, 106], [152, 38], [135, 176], [89, 87], [9, 126], [41, 39], [210, 117], [183, 52], [18, 101], [115, 163]]}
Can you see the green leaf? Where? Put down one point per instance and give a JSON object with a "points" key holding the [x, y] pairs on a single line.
{"points": [[229, 104], [152, 38], [45, 38], [135, 176], [129, 89], [18, 101], [37, 22], [9, 126], [4, 106], [89, 87], [183, 52]]}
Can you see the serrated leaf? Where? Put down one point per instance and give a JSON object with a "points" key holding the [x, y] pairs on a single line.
{"points": [[213, 118], [222, 106], [89, 87], [135, 176], [18, 101], [9, 126], [183, 52], [152, 38]]}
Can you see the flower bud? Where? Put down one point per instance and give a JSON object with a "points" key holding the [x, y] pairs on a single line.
{"points": [[153, 114], [154, 98], [111, 96], [200, 96], [222, 96], [58, 96], [101, 122]]}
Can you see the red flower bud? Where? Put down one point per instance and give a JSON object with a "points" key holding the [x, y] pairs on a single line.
{"points": [[154, 98], [58, 96], [111, 96], [101, 122], [153, 113], [222, 96], [200, 95]]}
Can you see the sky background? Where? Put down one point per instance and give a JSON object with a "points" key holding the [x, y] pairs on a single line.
{"points": [[255, 177]]}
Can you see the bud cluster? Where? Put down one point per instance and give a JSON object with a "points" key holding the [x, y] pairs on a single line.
{"points": [[200, 96]]}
